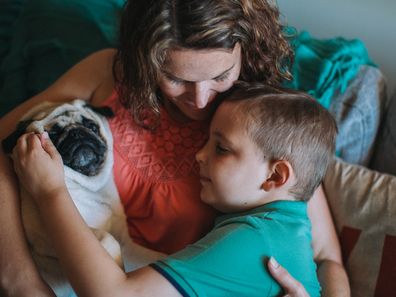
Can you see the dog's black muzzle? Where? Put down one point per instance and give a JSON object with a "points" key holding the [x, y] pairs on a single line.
{"points": [[81, 149]]}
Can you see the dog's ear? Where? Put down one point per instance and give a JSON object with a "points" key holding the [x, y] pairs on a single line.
{"points": [[103, 110], [10, 141]]}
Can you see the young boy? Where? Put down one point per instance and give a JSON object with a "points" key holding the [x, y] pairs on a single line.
{"points": [[267, 152]]}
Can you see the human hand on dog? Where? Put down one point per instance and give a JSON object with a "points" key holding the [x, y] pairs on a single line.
{"points": [[39, 166]]}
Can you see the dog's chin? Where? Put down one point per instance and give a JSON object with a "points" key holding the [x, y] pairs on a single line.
{"points": [[82, 152]]}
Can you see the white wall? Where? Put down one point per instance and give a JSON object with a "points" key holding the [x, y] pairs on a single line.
{"points": [[372, 21]]}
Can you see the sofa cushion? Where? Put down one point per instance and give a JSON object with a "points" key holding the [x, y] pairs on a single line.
{"points": [[384, 157], [363, 205]]}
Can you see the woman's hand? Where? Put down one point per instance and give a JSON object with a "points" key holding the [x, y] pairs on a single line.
{"points": [[39, 166], [291, 287]]}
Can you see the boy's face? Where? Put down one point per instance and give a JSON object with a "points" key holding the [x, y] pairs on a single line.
{"points": [[232, 168]]}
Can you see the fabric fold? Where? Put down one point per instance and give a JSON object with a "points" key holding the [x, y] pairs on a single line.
{"points": [[324, 66]]}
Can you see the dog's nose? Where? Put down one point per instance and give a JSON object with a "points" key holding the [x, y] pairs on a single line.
{"points": [[83, 157]]}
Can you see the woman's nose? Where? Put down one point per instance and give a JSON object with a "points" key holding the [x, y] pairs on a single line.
{"points": [[201, 94]]}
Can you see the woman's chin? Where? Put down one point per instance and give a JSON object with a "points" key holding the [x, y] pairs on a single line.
{"points": [[195, 114], [199, 115]]}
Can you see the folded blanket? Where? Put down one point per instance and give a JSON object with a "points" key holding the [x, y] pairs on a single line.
{"points": [[322, 67]]}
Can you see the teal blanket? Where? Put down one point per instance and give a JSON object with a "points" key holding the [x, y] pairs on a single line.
{"points": [[322, 67]]}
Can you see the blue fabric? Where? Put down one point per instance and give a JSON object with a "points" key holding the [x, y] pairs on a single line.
{"points": [[358, 112], [322, 67]]}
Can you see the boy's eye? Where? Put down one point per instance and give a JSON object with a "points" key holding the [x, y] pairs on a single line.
{"points": [[221, 150]]}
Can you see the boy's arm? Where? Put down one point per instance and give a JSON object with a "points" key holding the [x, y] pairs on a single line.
{"points": [[90, 269], [88, 266]]}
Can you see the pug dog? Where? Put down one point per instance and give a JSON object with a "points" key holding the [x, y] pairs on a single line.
{"points": [[82, 136]]}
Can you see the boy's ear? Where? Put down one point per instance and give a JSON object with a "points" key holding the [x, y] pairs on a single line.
{"points": [[279, 174]]}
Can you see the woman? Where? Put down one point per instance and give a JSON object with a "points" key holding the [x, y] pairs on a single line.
{"points": [[174, 58]]}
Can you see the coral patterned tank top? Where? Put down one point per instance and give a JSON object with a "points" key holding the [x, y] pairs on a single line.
{"points": [[158, 179]]}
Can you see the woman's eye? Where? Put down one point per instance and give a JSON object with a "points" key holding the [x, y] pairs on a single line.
{"points": [[174, 81], [221, 150], [222, 77]]}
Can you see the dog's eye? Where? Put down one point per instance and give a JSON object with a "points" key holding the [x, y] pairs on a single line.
{"points": [[55, 130], [91, 125]]}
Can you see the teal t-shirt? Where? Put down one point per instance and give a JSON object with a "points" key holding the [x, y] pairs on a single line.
{"points": [[229, 260]]}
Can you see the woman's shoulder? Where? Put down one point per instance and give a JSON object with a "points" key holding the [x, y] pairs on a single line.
{"points": [[101, 61], [101, 65]]}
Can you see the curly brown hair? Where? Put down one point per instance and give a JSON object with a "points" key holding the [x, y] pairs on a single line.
{"points": [[150, 28]]}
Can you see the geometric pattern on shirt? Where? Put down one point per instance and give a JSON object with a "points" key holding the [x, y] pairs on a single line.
{"points": [[167, 153]]}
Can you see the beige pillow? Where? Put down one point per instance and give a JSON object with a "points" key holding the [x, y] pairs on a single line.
{"points": [[363, 204]]}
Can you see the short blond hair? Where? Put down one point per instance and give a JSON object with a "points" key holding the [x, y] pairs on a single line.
{"points": [[288, 125]]}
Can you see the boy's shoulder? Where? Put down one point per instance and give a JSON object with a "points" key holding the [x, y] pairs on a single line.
{"points": [[276, 212]]}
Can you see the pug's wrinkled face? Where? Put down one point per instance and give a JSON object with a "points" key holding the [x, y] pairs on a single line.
{"points": [[75, 128], [79, 142]]}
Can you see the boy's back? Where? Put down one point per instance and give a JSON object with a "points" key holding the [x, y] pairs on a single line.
{"points": [[229, 260]]}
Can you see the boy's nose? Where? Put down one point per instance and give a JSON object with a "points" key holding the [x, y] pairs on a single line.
{"points": [[200, 156]]}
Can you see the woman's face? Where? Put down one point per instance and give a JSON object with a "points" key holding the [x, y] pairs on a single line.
{"points": [[191, 79]]}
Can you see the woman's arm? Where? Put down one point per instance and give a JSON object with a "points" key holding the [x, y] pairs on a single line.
{"points": [[327, 252], [88, 266], [18, 274]]}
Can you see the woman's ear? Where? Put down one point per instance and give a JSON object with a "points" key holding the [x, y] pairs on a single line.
{"points": [[279, 173]]}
